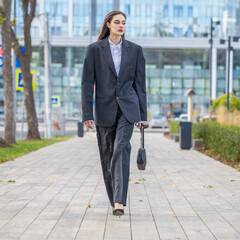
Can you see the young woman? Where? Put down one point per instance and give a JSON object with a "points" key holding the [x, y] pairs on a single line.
{"points": [[117, 68]]}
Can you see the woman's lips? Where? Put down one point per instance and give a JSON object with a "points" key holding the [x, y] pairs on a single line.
{"points": [[120, 30]]}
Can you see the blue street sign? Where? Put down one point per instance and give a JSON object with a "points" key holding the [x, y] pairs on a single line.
{"points": [[1, 61], [17, 62], [56, 102], [19, 80]]}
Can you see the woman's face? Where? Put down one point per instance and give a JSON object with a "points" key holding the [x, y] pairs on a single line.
{"points": [[117, 25]]}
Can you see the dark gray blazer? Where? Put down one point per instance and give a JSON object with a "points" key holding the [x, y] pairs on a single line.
{"points": [[128, 90]]}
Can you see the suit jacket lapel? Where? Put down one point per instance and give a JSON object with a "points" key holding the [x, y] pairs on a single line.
{"points": [[125, 55], [108, 55]]}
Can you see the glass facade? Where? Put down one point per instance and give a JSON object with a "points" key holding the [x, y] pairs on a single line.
{"points": [[236, 73], [185, 18], [221, 72], [170, 73], [58, 16], [145, 18], [170, 70], [80, 17]]}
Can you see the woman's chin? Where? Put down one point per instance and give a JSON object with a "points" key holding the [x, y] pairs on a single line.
{"points": [[118, 33]]}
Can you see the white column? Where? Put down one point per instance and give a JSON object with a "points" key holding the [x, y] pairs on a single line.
{"points": [[231, 73], [69, 53], [70, 18], [214, 73], [190, 108], [226, 64]]}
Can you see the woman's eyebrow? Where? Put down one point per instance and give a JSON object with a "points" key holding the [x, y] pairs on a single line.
{"points": [[120, 21]]}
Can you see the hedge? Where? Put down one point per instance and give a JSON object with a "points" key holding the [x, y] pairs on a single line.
{"points": [[223, 140], [174, 126]]}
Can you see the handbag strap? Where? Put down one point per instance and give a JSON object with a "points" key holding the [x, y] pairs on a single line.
{"points": [[142, 133], [142, 137]]}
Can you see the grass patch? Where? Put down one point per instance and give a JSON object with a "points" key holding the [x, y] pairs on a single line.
{"points": [[23, 147]]}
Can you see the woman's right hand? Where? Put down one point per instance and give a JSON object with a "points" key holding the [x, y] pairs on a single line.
{"points": [[89, 124]]}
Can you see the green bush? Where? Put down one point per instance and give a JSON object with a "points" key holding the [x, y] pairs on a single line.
{"points": [[223, 140], [221, 101], [198, 131], [174, 126]]}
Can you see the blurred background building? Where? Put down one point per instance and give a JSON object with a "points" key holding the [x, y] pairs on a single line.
{"points": [[171, 33]]}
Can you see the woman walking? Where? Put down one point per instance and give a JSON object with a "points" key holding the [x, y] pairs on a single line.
{"points": [[117, 69]]}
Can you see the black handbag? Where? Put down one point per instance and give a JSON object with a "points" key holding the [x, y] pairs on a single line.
{"points": [[141, 155]]}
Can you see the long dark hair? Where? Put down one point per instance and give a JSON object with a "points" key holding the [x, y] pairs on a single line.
{"points": [[105, 32]]}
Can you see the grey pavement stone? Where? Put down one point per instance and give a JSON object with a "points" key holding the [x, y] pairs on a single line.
{"points": [[59, 193]]}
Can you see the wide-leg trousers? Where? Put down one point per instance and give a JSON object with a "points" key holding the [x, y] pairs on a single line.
{"points": [[115, 148]]}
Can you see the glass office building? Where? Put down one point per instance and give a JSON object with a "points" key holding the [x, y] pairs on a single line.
{"points": [[171, 33]]}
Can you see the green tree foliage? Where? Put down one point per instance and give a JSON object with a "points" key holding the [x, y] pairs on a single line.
{"points": [[221, 101]]}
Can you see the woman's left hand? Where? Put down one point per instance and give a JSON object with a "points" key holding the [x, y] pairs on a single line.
{"points": [[140, 124]]}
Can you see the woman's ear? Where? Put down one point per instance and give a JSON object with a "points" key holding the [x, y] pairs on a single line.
{"points": [[108, 25]]}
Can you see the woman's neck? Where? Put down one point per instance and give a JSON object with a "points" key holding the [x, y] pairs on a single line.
{"points": [[116, 39]]}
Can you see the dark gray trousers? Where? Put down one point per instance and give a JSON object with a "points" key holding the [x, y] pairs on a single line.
{"points": [[114, 148]]}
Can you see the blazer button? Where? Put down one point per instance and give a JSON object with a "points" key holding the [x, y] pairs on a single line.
{"points": [[117, 97]]}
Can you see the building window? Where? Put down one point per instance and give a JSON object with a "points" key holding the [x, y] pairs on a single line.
{"points": [[165, 11], [190, 32], [57, 31], [178, 11], [178, 32], [190, 11], [138, 10], [35, 31], [175, 11], [127, 9], [58, 16]]}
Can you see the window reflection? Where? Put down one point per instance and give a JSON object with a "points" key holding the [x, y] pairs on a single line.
{"points": [[58, 16]]}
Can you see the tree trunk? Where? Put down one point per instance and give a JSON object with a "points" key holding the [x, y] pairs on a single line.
{"points": [[32, 120], [25, 59], [9, 123]]}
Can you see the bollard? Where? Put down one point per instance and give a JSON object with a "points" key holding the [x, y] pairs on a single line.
{"points": [[80, 129]]}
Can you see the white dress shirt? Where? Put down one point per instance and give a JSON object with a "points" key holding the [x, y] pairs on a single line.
{"points": [[116, 51]]}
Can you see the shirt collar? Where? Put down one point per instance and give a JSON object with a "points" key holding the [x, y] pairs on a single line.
{"points": [[114, 45]]}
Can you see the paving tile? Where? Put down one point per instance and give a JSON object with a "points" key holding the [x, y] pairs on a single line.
{"points": [[60, 194]]}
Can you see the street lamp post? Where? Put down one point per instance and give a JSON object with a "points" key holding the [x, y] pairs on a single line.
{"points": [[210, 63], [47, 85], [228, 69], [47, 76], [229, 49], [212, 28]]}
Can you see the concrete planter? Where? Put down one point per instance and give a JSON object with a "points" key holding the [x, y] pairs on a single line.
{"points": [[175, 137], [197, 143]]}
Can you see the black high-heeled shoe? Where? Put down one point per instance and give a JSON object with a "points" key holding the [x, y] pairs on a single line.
{"points": [[118, 212]]}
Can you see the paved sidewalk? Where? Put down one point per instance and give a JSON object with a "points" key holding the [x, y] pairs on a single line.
{"points": [[59, 194]]}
